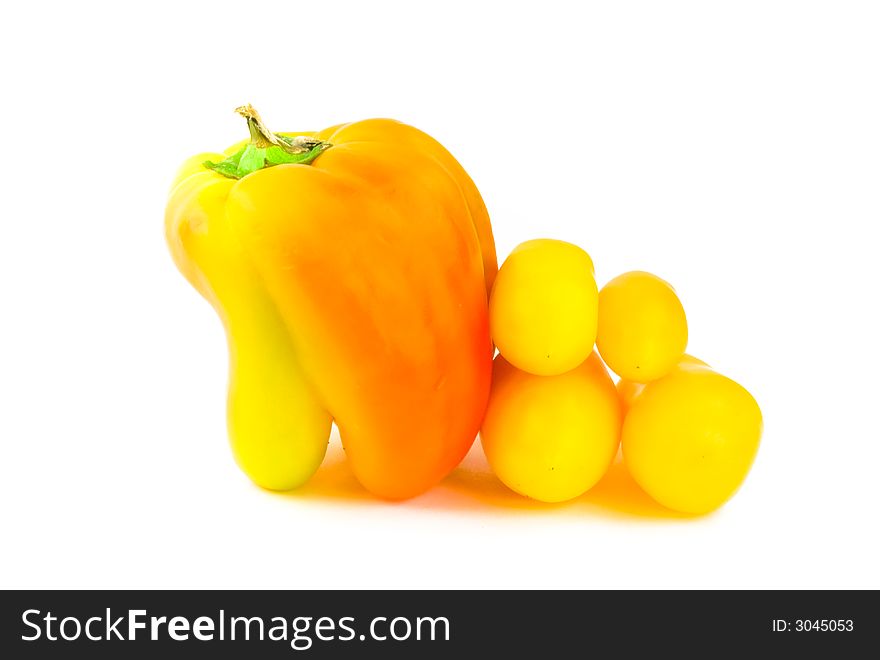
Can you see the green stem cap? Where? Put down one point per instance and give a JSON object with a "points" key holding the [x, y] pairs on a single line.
{"points": [[266, 149]]}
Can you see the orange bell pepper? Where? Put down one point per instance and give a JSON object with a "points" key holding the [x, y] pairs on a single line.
{"points": [[351, 270]]}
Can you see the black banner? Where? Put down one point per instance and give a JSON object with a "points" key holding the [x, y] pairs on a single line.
{"points": [[429, 624]]}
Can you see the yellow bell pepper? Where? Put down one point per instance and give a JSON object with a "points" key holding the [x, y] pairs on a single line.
{"points": [[350, 268]]}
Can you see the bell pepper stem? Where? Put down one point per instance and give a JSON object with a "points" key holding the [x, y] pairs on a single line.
{"points": [[266, 149], [263, 138]]}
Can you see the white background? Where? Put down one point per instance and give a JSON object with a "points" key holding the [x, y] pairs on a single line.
{"points": [[732, 148]]}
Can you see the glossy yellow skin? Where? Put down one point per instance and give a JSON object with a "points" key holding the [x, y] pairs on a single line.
{"points": [[551, 438], [689, 438], [629, 390], [277, 428], [642, 326], [544, 306]]}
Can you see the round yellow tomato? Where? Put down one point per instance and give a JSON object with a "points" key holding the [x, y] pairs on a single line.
{"points": [[551, 437], [543, 307], [642, 330], [690, 437]]}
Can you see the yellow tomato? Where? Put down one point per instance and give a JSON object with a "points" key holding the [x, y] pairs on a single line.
{"points": [[642, 326], [690, 437], [551, 437], [543, 307]]}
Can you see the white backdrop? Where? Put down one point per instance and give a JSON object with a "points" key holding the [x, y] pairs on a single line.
{"points": [[731, 148]]}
